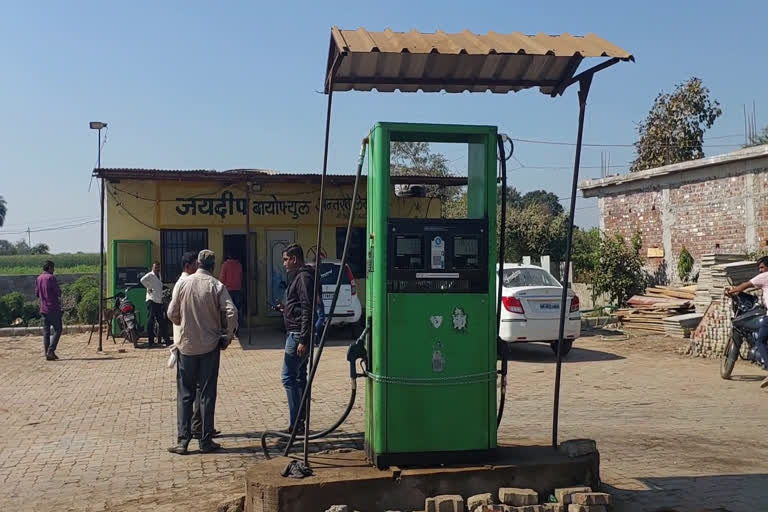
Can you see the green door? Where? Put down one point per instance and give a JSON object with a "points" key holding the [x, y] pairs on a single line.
{"points": [[444, 405]]}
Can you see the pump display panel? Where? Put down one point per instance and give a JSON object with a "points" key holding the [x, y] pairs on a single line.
{"points": [[437, 255]]}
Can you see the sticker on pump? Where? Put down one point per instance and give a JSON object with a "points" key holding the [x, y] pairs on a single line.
{"points": [[437, 256]]}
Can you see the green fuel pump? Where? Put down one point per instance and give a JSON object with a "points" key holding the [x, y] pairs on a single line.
{"points": [[430, 312]]}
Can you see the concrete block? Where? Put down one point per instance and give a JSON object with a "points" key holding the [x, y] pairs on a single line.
{"points": [[578, 447], [518, 497], [430, 505], [528, 508], [587, 508], [338, 508], [554, 507], [477, 500], [592, 498], [494, 508], [564, 495], [449, 503]]}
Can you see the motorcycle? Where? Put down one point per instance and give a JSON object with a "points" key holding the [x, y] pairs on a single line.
{"points": [[748, 317], [125, 314]]}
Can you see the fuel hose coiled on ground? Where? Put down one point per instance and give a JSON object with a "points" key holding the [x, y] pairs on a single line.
{"points": [[356, 350]]}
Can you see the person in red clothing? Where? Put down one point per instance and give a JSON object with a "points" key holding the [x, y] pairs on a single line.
{"points": [[232, 276], [47, 290]]}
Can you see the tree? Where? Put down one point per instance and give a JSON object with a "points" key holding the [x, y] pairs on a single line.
{"points": [[619, 274], [7, 248], [513, 198], [585, 254], [544, 198], [40, 249], [674, 129], [755, 140], [535, 231], [3, 210], [417, 159], [22, 247]]}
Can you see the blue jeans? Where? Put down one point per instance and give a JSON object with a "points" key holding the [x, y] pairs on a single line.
{"points": [[761, 349], [294, 375]]}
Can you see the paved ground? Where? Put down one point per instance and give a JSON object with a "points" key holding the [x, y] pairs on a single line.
{"points": [[89, 432]]}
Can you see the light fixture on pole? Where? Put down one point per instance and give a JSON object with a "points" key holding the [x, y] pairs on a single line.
{"points": [[98, 125]]}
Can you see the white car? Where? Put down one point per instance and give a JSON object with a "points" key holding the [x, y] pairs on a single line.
{"points": [[530, 309], [349, 310]]}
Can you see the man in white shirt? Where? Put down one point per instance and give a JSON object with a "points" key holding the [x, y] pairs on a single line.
{"points": [[154, 285], [208, 318], [189, 267]]}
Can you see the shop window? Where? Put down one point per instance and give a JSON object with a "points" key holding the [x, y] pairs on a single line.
{"points": [[173, 244], [356, 256]]}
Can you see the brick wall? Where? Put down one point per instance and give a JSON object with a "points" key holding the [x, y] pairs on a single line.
{"points": [[708, 213]]}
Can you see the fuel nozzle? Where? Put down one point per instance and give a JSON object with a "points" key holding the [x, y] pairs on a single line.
{"points": [[355, 352]]}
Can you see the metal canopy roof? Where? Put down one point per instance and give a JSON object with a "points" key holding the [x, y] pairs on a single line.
{"points": [[259, 176], [432, 62]]}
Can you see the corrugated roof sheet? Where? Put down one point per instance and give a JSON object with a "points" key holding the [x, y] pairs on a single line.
{"points": [[259, 176], [410, 61]]}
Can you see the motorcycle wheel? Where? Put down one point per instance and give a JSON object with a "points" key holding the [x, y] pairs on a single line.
{"points": [[133, 337], [729, 359]]}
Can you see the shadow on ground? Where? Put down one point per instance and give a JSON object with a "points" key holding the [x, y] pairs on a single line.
{"points": [[542, 353], [747, 493]]}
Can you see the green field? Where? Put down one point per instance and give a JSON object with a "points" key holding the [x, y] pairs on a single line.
{"points": [[80, 263]]}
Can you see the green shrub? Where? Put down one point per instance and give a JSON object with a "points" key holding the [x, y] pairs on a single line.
{"points": [[88, 307], [15, 303], [684, 265], [5, 314], [620, 273], [31, 311]]}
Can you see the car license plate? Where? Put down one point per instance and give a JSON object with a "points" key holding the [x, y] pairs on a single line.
{"points": [[550, 306], [327, 295]]}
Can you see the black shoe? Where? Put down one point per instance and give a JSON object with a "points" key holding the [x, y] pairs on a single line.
{"points": [[198, 435], [180, 449], [55, 357], [50, 357], [210, 447]]}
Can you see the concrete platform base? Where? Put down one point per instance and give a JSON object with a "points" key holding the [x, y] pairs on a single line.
{"points": [[346, 477]]}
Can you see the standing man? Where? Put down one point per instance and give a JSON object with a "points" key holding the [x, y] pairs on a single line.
{"points": [[759, 281], [189, 267], [47, 290], [154, 285], [204, 310], [232, 276], [297, 315]]}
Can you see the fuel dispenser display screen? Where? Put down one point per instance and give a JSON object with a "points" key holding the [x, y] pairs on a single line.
{"points": [[438, 255]]}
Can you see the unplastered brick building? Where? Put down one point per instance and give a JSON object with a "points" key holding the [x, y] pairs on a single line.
{"points": [[717, 204]]}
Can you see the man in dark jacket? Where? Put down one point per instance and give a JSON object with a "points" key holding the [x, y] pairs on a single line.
{"points": [[297, 314]]}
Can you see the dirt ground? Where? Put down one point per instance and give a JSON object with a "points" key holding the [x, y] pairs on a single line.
{"points": [[90, 432]]}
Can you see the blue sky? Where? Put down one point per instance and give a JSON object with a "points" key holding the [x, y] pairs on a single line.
{"points": [[234, 84]]}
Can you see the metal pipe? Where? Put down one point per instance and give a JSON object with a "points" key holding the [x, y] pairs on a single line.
{"points": [[318, 261], [584, 84], [101, 252], [307, 391], [248, 259]]}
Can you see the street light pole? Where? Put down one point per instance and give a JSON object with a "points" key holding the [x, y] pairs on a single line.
{"points": [[96, 125]]}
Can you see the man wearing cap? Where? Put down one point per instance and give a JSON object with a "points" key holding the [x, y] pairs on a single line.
{"points": [[204, 310]]}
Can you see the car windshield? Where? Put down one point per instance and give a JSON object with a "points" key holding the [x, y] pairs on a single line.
{"points": [[329, 273], [514, 277]]}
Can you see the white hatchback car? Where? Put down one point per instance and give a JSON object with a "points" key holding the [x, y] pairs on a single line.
{"points": [[531, 307], [349, 310]]}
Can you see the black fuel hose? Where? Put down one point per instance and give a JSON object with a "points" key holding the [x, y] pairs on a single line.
{"points": [[318, 435], [500, 272], [292, 436]]}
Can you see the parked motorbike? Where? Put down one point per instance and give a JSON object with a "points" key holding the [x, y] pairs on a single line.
{"points": [[125, 314], [748, 317]]}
